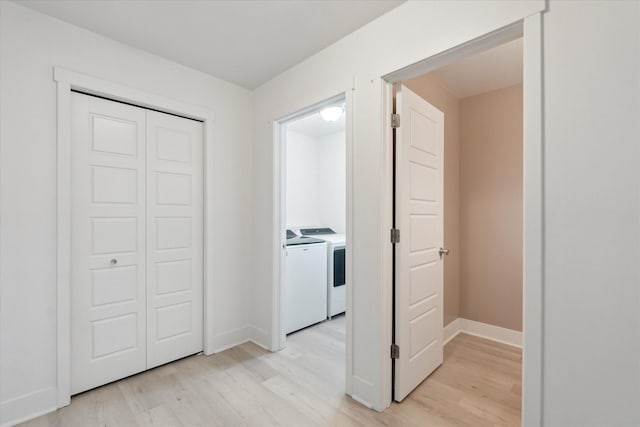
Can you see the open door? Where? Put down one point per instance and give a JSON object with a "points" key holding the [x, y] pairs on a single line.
{"points": [[419, 189]]}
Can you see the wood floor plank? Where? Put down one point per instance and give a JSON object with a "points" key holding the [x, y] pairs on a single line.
{"points": [[479, 384], [158, 416]]}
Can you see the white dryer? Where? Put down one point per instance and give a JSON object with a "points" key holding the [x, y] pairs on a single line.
{"points": [[336, 267]]}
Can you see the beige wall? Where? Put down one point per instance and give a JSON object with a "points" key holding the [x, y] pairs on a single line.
{"points": [[428, 87], [482, 202], [491, 208]]}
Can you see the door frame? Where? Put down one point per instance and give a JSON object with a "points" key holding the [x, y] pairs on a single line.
{"points": [[66, 81], [530, 29], [278, 334]]}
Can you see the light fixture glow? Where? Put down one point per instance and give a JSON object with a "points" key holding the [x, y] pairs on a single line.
{"points": [[331, 114]]}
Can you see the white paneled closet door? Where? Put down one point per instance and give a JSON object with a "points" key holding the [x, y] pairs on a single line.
{"points": [[174, 240], [108, 322], [136, 240]]}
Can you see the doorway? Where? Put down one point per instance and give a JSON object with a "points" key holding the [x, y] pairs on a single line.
{"points": [[313, 297], [468, 215]]}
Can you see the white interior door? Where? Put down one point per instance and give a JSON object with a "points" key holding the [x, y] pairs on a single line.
{"points": [[108, 323], [419, 217], [175, 237]]}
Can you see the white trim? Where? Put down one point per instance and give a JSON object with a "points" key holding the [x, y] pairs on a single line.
{"points": [[28, 406], [491, 332], [533, 213], [259, 337], [66, 81], [450, 331], [232, 338], [386, 250], [471, 47], [118, 92], [349, 369], [361, 401], [482, 330], [361, 387], [278, 336], [63, 245], [239, 336]]}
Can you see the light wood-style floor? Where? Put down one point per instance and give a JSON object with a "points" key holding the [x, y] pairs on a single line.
{"points": [[478, 384]]}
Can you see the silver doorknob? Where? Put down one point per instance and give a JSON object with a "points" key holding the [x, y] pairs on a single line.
{"points": [[443, 251], [113, 261]]}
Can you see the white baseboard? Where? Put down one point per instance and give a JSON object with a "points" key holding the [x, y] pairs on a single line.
{"points": [[232, 338], [28, 406], [32, 405], [259, 338], [451, 331], [483, 330], [363, 392], [362, 402]]}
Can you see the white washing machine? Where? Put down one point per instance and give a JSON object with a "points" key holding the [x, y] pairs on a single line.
{"points": [[336, 268], [305, 292]]}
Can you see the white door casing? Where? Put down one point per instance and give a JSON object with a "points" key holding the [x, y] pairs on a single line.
{"points": [[419, 217], [108, 326], [174, 238], [136, 240]]}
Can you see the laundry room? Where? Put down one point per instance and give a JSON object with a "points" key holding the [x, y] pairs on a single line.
{"points": [[314, 286]]}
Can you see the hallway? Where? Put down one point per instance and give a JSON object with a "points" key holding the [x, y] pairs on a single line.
{"points": [[302, 385]]}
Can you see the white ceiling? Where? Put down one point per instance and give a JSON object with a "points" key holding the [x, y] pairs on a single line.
{"points": [[246, 42], [315, 126], [493, 69]]}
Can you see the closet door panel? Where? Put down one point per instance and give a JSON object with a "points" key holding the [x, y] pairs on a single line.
{"points": [[174, 238], [108, 301]]}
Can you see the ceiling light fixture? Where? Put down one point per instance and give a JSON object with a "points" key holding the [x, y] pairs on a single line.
{"points": [[331, 114]]}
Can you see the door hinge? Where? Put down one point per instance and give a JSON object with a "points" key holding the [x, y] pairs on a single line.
{"points": [[395, 121], [395, 351], [395, 235]]}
